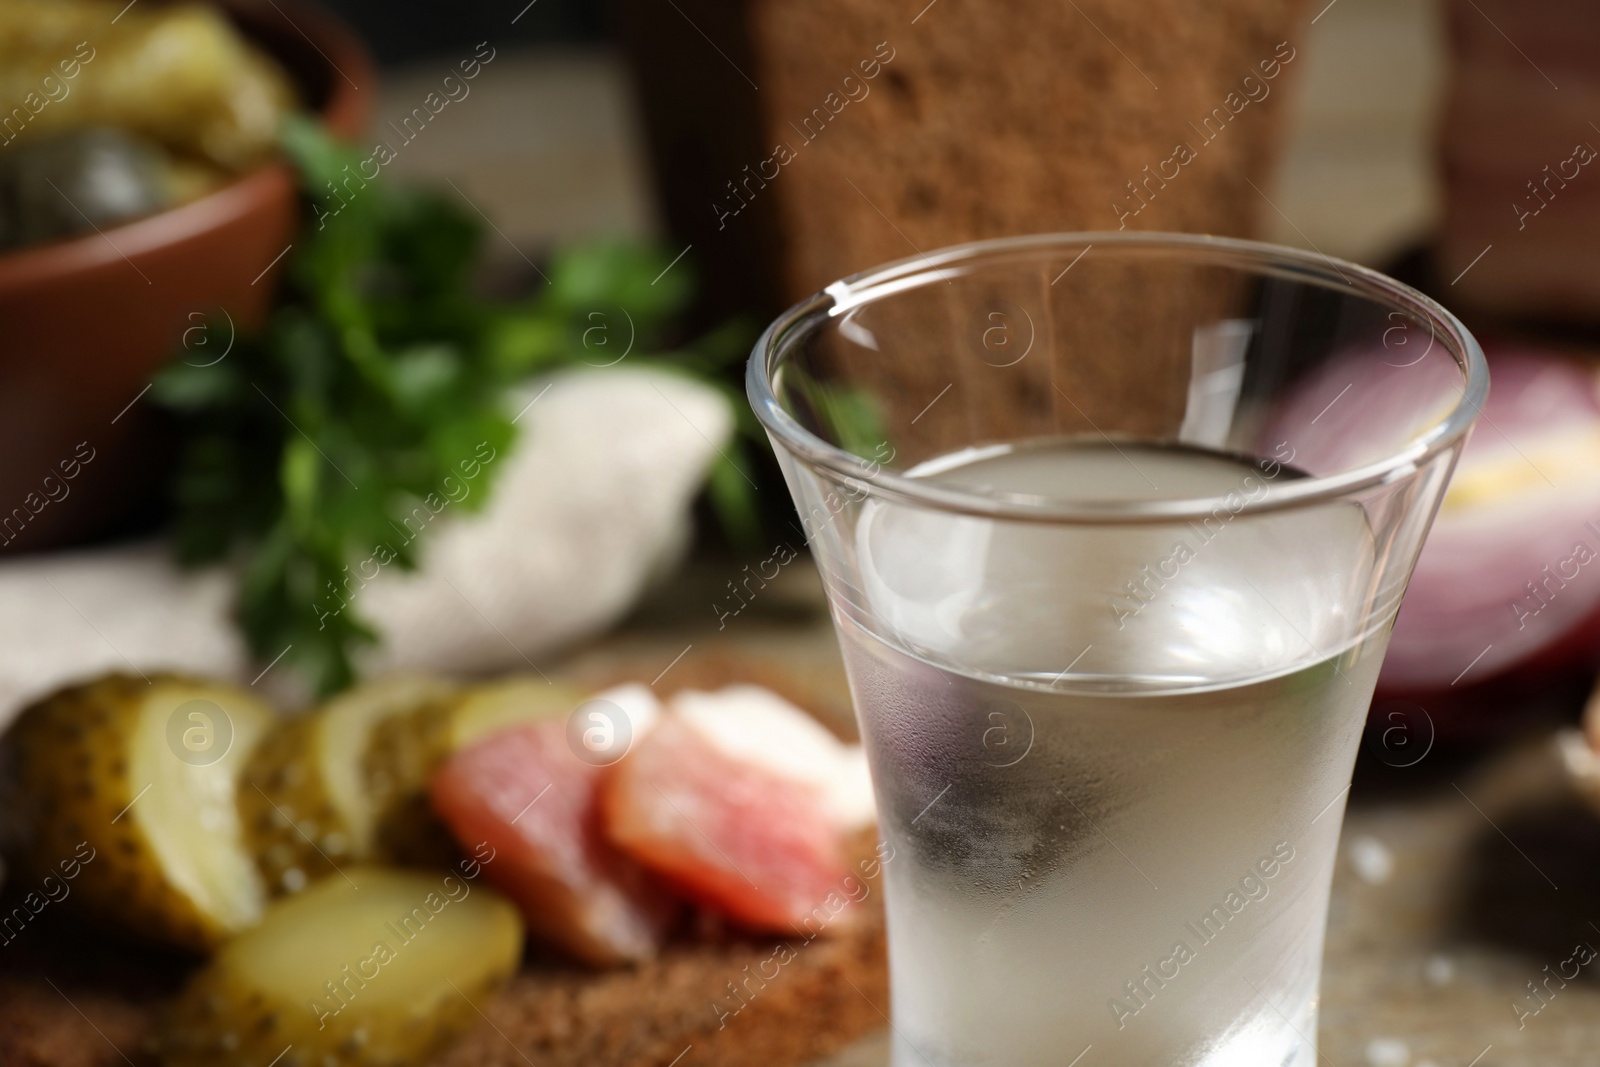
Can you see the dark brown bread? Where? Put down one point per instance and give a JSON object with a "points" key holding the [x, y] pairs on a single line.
{"points": [[909, 126], [39, 1027], [1029, 119], [1520, 233], [739, 1002]]}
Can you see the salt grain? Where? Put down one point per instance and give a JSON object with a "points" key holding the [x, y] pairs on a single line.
{"points": [[1373, 861], [1388, 1052], [1440, 970]]}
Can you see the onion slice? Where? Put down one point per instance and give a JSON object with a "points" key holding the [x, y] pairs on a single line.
{"points": [[1511, 570]]}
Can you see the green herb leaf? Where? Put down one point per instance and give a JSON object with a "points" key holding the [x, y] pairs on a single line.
{"points": [[317, 453]]}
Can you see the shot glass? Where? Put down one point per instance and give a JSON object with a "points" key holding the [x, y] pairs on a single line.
{"points": [[1113, 528]]}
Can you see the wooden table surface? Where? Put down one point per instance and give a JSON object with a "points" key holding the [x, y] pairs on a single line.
{"points": [[1460, 877]]}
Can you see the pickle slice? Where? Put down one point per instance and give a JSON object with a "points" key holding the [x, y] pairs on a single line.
{"points": [[135, 781], [381, 968], [305, 804]]}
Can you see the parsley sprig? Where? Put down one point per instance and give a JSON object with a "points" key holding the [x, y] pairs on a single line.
{"points": [[379, 374]]}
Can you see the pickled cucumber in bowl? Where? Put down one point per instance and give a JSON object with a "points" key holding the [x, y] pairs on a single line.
{"points": [[187, 100]]}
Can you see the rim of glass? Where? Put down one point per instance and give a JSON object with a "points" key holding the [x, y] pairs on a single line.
{"points": [[1259, 257]]}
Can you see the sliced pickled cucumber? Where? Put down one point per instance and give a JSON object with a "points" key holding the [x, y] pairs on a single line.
{"points": [[406, 750], [137, 779], [304, 802], [380, 970]]}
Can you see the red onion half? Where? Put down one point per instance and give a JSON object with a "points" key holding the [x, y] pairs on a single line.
{"points": [[1510, 573]]}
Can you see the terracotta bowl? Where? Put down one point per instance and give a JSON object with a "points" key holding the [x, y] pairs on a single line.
{"points": [[89, 320]]}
